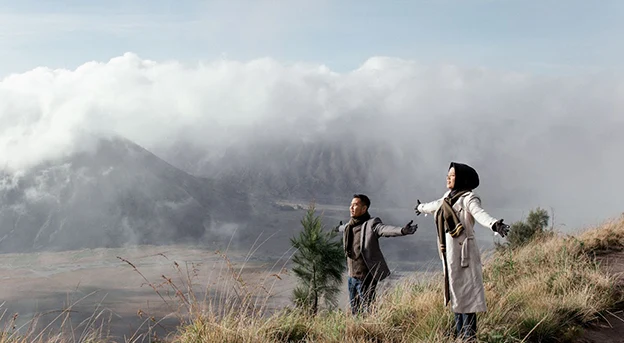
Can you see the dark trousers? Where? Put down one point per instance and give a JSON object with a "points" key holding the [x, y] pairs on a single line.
{"points": [[466, 325], [361, 294]]}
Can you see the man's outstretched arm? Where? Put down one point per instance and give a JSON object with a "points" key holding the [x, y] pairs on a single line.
{"points": [[393, 231]]}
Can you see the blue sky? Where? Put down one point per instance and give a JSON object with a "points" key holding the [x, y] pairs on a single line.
{"points": [[561, 37]]}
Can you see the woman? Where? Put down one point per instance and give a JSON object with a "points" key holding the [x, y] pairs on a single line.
{"points": [[455, 215]]}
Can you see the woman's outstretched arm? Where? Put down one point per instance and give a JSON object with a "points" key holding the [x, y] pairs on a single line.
{"points": [[474, 207], [429, 207]]}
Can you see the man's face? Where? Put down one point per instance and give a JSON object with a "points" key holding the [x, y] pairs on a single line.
{"points": [[357, 208]]}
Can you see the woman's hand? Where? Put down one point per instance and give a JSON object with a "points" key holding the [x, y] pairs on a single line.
{"points": [[416, 208], [500, 228]]}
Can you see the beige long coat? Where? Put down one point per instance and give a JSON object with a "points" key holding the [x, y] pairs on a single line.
{"points": [[465, 275], [372, 229]]}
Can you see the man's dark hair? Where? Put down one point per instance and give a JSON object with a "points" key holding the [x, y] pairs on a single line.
{"points": [[365, 200]]}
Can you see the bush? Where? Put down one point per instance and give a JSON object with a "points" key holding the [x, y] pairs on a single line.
{"points": [[523, 232]]}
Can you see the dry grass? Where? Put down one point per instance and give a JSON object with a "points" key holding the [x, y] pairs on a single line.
{"points": [[604, 238], [545, 291], [91, 330]]}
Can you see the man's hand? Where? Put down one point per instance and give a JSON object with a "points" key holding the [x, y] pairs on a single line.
{"points": [[416, 208], [337, 228], [500, 228], [409, 229]]}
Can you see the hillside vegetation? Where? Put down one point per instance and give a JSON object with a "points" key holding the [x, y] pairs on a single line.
{"points": [[547, 290]]}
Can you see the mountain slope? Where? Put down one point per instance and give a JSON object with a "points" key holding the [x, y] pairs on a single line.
{"points": [[326, 171], [118, 194]]}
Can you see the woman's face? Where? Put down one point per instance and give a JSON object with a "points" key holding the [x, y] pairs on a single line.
{"points": [[450, 179]]}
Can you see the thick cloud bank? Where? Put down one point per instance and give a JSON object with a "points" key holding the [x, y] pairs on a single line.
{"points": [[536, 140]]}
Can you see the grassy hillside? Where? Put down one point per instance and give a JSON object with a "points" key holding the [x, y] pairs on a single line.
{"points": [[545, 291]]}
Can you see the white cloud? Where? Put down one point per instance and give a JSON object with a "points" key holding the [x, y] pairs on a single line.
{"points": [[557, 137]]}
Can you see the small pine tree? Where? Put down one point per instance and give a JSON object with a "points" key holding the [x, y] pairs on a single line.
{"points": [[524, 231], [318, 264]]}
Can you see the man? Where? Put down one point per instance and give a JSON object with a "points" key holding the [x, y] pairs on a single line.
{"points": [[365, 262]]}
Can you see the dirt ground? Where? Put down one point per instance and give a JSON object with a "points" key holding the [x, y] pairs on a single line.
{"points": [[611, 328]]}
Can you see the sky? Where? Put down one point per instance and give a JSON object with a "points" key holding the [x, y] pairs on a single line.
{"points": [[536, 36], [531, 93]]}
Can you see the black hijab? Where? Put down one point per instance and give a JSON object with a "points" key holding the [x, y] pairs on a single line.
{"points": [[466, 178]]}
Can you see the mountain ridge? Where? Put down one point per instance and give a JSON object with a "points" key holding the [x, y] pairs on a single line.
{"points": [[118, 194]]}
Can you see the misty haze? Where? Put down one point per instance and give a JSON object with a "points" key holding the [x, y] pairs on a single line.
{"points": [[159, 162]]}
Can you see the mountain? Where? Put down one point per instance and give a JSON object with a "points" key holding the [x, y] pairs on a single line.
{"points": [[393, 171], [324, 171], [117, 194], [328, 172]]}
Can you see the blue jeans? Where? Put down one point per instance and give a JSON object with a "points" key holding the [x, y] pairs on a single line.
{"points": [[466, 325], [361, 294]]}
